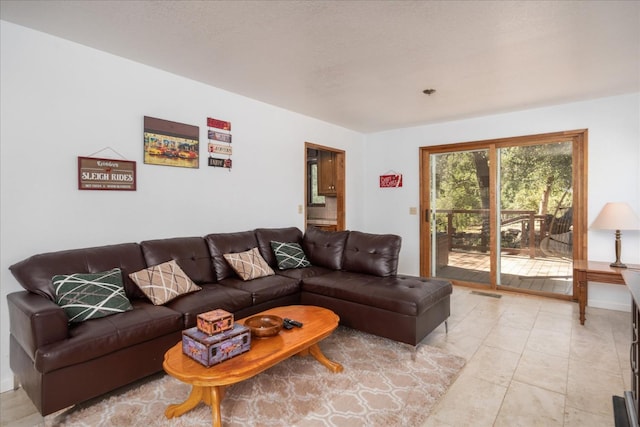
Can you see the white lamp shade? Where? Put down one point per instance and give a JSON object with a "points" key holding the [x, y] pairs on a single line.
{"points": [[616, 216]]}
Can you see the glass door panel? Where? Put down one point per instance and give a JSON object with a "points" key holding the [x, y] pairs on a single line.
{"points": [[535, 248], [460, 227], [502, 213]]}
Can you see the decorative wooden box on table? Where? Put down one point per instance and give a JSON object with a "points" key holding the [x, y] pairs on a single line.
{"points": [[208, 347], [215, 321]]}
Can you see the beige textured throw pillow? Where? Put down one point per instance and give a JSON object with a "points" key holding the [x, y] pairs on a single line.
{"points": [[249, 265], [163, 282]]}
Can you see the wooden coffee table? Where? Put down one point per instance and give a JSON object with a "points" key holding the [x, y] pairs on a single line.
{"points": [[208, 384]]}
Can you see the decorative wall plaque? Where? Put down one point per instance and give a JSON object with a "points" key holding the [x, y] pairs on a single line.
{"points": [[219, 143], [106, 174], [391, 180]]}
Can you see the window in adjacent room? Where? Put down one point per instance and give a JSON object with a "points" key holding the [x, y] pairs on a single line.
{"points": [[312, 181]]}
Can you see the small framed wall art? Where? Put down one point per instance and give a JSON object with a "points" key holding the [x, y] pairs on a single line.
{"points": [[106, 174], [170, 143]]}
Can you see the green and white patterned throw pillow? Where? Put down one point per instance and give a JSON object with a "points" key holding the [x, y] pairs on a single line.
{"points": [[289, 255], [85, 296]]}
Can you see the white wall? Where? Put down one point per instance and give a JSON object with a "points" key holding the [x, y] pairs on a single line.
{"points": [[61, 100], [614, 165]]}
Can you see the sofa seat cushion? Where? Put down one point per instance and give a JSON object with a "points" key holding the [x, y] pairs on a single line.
{"points": [[95, 338], [211, 297], [266, 288], [301, 273], [400, 294]]}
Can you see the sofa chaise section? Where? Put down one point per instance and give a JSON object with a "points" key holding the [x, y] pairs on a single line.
{"points": [[367, 293]]}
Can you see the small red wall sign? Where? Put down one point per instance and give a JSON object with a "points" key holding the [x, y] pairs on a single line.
{"points": [[389, 181], [218, 124]]}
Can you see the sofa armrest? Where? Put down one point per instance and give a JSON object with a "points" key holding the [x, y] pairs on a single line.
{"points": [[35, 321]]}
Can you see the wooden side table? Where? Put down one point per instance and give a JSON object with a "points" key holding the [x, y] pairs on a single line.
{"points": [[594, 271]]}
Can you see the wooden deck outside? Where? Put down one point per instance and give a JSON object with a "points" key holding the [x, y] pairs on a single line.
{"points": [[550, 274]]}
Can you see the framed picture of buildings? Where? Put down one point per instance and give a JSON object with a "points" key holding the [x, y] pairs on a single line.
{"points": [[170, 143]]}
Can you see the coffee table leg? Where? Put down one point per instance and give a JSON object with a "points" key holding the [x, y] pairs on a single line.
{"points": [[320, 357], [216, 394], [196, 396], [211, 396]]}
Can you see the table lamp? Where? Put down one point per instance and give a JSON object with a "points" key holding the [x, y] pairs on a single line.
{"points": [[616, 216]]}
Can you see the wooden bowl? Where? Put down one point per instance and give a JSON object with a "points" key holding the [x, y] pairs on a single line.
{"points": [[264, 325]]}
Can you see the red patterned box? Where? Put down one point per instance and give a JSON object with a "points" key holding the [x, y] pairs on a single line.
{"points": [[210, 350], [214, 322]]}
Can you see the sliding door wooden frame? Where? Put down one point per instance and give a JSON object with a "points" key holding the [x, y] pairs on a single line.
{"points": [[579, 140]]}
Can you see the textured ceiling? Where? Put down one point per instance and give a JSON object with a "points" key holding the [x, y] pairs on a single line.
{"points": [[364, 64]]}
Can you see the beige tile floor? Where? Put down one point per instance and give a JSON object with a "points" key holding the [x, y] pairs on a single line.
{"points": [[529, 363]]}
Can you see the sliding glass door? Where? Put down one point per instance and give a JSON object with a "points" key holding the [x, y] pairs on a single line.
{"points": [[506, 213], [460, 232], [535, 225]]}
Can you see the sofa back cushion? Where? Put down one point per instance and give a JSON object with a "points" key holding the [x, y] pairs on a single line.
{"points": [[285, 235], [35, 273], [227, 243], [191, 254], [375, 254], [324, 248]]}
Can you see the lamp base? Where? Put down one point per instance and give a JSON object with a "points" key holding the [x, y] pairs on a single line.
{"points": [[617, 264]]}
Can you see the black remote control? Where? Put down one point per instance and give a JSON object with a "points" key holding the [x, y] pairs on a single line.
{"points": [[293, 322], [287, 325]]}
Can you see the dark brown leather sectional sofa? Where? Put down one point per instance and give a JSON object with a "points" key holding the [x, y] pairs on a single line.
{"points": [[352, 273]]}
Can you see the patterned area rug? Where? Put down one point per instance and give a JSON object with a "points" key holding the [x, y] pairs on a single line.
{"points": [[383, 383]]}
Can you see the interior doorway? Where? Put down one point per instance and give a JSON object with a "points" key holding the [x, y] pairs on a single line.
{"points": [[506, 214], [324, 187]]}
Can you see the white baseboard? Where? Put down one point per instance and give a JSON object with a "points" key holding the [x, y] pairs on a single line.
{"points": [[6, 385], [610, 297], [609, 305]]}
